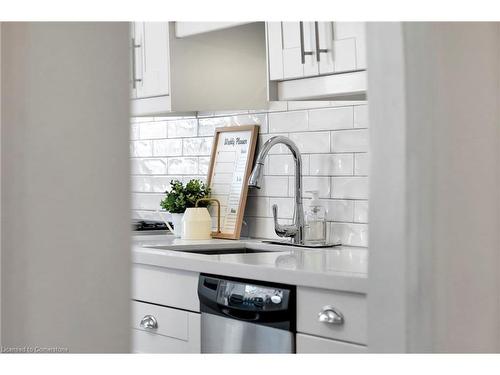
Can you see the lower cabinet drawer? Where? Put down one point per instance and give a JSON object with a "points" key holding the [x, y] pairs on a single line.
{"points": [[158, 329], [311, 302], [164, 286], [312, 344]]}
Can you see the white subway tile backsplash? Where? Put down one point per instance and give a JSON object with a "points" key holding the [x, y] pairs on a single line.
{"points": [[153, 130], [307, 104], [134, 131], [206, 126], [149, 166], [146, 201], [271, 107], [336, 210], [272, 186], [312, 142], [333, 139], [285, 207], [257, 206], [197, 146], [140, 184], [331, 164], [250, 119], [331, 118], [141, 148], [288, 121], [167, 147], [150, 184], [350, 141], [361, 164], [350, 187], [182, 128], [339, 210], [285, 165], [183, 165], [322, 184], [350, 234], [141, 119], [145, 215], [361, 211], [361, 116], [277, 149], [261, 227], [203, 165]]}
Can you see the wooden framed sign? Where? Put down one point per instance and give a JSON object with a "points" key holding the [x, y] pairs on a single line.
{"points": [[230, 167]]}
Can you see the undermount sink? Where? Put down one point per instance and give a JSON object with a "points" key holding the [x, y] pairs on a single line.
{"points": [[214, 251], [226, 251], [306, 244]]}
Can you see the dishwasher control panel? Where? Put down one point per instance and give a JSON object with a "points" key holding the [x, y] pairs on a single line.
{"points": [[252, 297]]}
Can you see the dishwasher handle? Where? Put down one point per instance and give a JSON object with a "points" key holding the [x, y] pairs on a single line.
{"points": [[249, 316]]}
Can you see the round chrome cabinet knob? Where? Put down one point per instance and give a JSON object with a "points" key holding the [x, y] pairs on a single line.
{"points": [[330, 315], [149, 322], [276, 299]]}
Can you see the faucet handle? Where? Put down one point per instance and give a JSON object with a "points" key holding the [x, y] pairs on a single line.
{"points": [[280, 229]]}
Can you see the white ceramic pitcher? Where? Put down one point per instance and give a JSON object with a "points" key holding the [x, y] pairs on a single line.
{"points": [[197, 223]]}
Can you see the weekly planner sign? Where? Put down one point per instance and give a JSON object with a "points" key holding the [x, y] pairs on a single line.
{"points": [[230, 167]]}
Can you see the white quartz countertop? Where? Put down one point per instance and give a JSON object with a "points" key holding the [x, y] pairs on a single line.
{"points": [[340, 268]]}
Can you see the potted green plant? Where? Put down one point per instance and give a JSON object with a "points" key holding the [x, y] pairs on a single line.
{"points": [[179, 197]]}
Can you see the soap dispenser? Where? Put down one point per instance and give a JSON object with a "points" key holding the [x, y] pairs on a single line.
{"points": [[315, 220]]}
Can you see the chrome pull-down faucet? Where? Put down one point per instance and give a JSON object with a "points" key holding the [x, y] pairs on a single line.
{"points": [[295, 230]]}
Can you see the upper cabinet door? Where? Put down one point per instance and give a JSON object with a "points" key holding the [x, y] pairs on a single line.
{"points": [[297, 49], [150, 65], [349, 47], [307, 49]]}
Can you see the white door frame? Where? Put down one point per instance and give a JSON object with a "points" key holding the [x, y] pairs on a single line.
{"points": [[434, 263]]}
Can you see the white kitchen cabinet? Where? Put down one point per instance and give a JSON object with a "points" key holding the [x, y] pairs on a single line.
{"points": [[312, 344], [164, 286], [304, 50], [150, 59], [159, 329], [308, 49], [224, 69], [350, 306]]}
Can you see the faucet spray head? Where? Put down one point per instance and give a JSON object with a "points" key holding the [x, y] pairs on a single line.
{"points": [[256, 176]]}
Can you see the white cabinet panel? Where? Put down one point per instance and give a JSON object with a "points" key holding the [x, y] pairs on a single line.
{"points": [[292, 67], [313, 344], [165, 286], [275, 47], [334, 47], [291, 35], [355, 33], [152, 59], [325, 35], [311, 301], [344, 55], [292, 58], [177, 331], [311, 63]]}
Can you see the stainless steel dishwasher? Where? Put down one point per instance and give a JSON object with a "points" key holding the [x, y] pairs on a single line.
{"points": [[245, 316]]}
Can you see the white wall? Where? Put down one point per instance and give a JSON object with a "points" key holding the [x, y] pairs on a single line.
{"points": [[434, 245], [65, 186]]}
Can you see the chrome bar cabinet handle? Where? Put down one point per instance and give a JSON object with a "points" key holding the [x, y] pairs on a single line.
{"points": [[134, 78], [319, 50], [303, 52]]}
